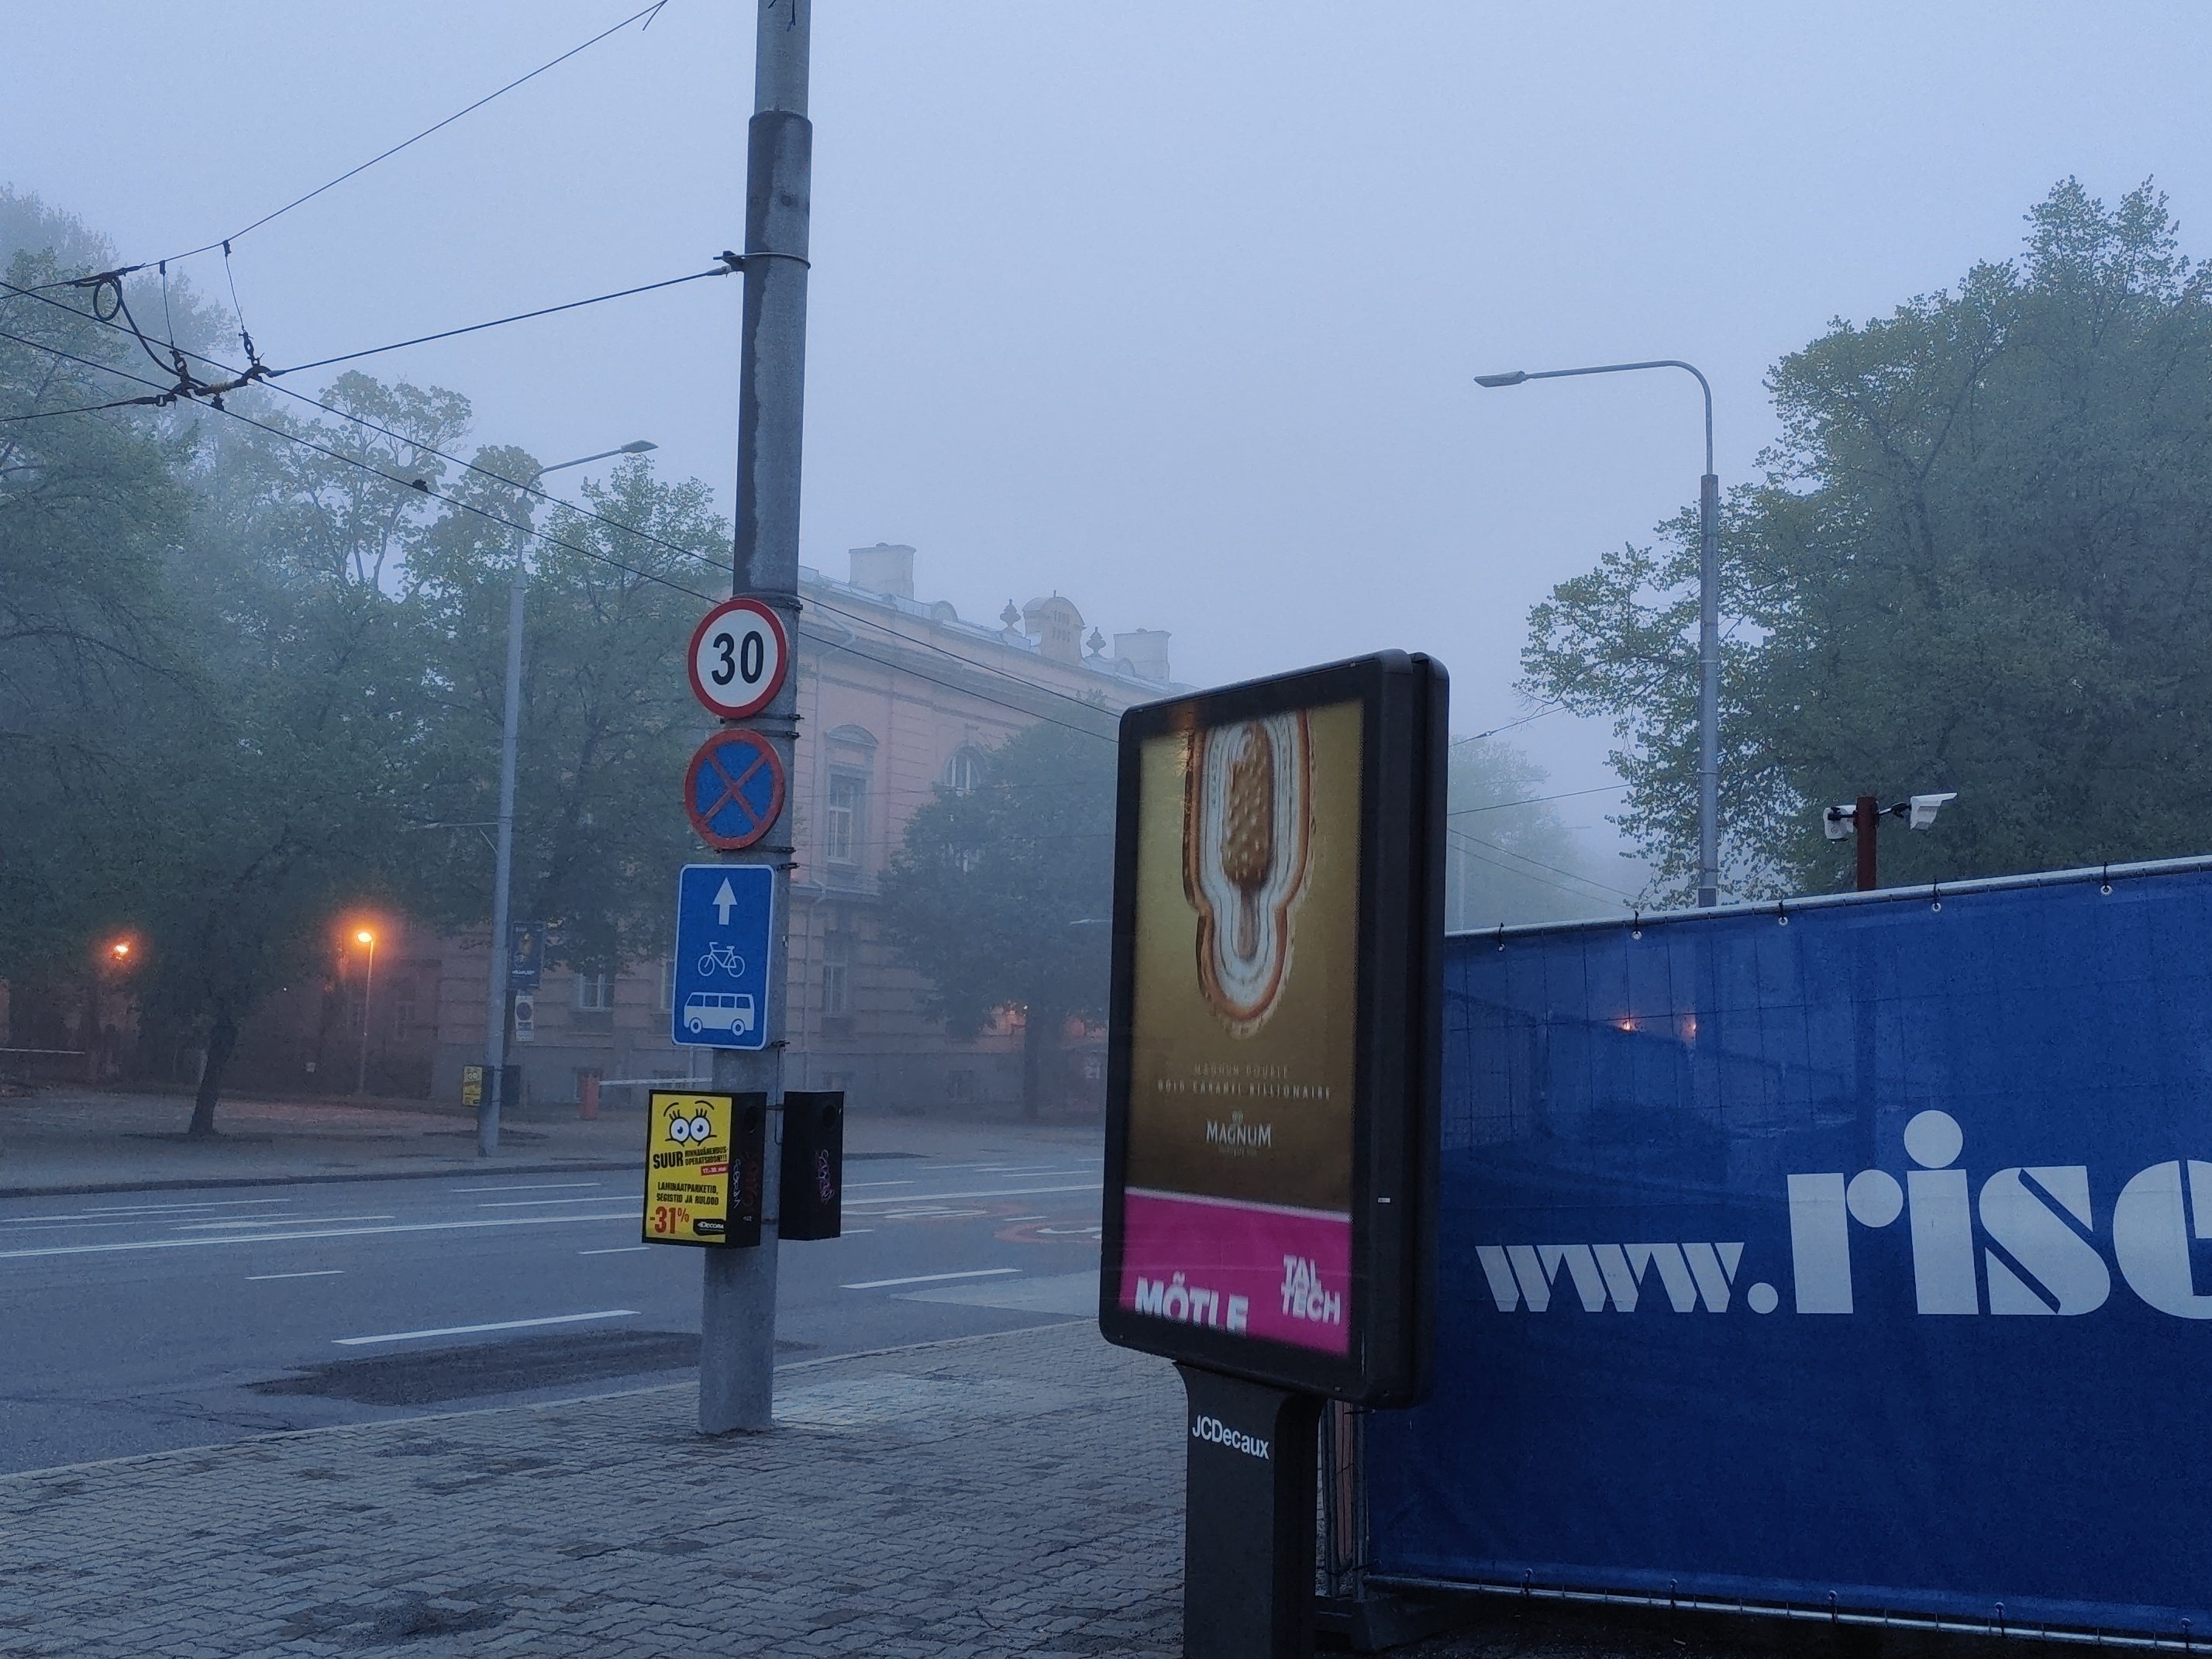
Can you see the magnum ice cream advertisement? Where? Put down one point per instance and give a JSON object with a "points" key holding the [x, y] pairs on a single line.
{"points": [[1243, 1027]]}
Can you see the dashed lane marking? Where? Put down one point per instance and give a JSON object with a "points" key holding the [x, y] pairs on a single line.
{"points": [[494, 1325], [930, 1279], [325, 1232]]}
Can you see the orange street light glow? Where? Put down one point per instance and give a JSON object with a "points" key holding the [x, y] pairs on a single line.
{"points": [[366, 937], [120, 948]]}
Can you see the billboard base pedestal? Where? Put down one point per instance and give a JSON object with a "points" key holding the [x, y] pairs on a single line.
{"points": [[1250, 1457]]}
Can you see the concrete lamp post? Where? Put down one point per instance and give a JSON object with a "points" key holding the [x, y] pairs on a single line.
{"points": [[367, 991], [1709, 616], [502, 879]]}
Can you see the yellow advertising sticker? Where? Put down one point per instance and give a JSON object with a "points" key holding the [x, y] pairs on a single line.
{"points": [[687, 1169]]}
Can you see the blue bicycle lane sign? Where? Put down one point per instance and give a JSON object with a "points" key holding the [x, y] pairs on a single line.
{"points": [[720, 998]]}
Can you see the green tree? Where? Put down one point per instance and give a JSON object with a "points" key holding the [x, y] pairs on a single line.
{"points": [[293, 764], [1975, 563], [1004, 895], [608, 720], [90, 507]]}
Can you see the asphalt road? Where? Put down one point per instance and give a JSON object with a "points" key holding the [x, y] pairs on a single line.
{"points": [[134, 1322]]}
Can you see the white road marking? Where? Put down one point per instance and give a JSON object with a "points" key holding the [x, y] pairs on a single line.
{"points": [[495, 1325], [527, 1203], [850, 1185], [1012, 1218], [616, 1249], [938, 1214], [1007, 1192], [531, 1186], [629, 1216], [314, 1272], [930, 1279], [164, 1208], [278, 1221]]}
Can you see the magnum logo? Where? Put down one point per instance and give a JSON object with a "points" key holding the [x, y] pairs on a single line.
{"points": [[1247, 844]]}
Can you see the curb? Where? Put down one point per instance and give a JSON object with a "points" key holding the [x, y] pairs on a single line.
{"points": [[489, 1166]]}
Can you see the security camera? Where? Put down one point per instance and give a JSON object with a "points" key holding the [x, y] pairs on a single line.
{"points": [[1836, 822], [1924, 808]]}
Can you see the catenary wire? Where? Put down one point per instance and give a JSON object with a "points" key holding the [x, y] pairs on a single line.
{"points": [[646, 535], [223, 242], [501, 322], [1622, 893], [643, 535], [1536, 800], [1616, 894], [846, 646], [553, 541], [1525, 875]]}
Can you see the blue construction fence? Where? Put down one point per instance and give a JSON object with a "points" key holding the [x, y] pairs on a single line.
{"points": [[1851, 1253]]}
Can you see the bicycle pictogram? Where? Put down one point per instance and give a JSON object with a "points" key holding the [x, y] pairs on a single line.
{"points": [[724, 956]]}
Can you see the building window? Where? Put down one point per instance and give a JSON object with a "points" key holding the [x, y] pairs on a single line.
{"points": [[595, 993], [667, 984], [963, 773], [837, 973], [403, 1010], [840, 837]]}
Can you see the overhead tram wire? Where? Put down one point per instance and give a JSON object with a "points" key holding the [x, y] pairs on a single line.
{"points": [[171, 395], [1462, 743], [551, 540], [732, 262], [850, 649], [1617, 895], [224, 242], [1535, 800], [1525, 875]]}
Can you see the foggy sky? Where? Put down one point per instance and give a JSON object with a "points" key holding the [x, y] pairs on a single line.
{"points": [[1171, 308]]}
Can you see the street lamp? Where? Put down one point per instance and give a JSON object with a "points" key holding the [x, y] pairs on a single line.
{"points": [[503, 855], [1709, 617], [368, 989]]}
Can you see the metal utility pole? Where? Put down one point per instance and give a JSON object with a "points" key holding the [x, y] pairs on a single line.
{"points": [[1709, 618], [737, 1346], [502, 878]]}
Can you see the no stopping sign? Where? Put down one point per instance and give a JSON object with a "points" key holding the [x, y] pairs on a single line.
{"points": [[738, 657]]}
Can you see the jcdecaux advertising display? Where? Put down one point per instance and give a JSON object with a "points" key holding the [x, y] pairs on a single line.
{"points": [[1270, 1078]]}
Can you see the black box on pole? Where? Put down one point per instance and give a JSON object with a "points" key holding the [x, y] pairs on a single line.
{"points": [[813, 1188], [748, 1165]]}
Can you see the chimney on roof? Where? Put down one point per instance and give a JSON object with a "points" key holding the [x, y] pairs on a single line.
{"points": [[1145, 651], [886, 567]]}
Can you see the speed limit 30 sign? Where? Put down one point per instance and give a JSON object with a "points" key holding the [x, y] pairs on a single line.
{"points": [[738, 656]]}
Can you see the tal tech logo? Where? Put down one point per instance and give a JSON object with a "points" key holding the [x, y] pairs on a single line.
{"points": [[2043, 1249]]}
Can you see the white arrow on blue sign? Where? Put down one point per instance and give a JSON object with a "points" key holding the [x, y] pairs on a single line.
{"points": [[724, 913]]}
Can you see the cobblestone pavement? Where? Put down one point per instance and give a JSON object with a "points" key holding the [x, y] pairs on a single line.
{"points": [[1015, 1494]]}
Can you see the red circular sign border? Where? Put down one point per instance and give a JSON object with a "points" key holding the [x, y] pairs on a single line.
{"points": [[720, 843], [758, 608]]}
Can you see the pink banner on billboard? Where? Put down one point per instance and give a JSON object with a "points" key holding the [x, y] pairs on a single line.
{"points": [[1258, 1270]]}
